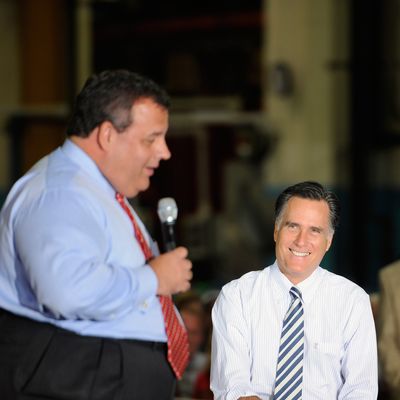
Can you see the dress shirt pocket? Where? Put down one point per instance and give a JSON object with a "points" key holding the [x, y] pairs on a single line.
{"points": [[324, 368], [328, 348]]}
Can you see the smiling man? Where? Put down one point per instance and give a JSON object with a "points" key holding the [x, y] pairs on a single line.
{"points": [[294, 330], [85, 299]]}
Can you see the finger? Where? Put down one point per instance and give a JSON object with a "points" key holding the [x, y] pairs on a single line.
{"points": [[189, 275], [182, 252], [186, 286], [188, 265]]}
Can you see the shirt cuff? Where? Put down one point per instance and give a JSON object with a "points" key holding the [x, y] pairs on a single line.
{"points": [[148, 283]]}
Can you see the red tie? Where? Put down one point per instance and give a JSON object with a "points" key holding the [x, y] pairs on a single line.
{"points": [[178, 346]]}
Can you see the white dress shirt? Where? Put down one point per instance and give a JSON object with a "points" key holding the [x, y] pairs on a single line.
{"points": [[340, 357]]}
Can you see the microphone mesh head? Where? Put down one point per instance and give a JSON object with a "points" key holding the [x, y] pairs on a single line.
{"points": [[167, 210]]}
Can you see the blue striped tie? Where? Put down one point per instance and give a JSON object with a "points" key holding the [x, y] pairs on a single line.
{"points": [[289, 374]]}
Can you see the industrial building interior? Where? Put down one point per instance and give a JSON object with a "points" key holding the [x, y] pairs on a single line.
{"points": [[265, 94]]}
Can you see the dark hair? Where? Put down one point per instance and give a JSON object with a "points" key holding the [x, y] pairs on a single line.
{"points": [[313, 191], [109, 96]]}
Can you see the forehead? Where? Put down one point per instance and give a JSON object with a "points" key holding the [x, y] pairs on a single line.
{"points": [[147, 118], [307, 212], [144, 106]]}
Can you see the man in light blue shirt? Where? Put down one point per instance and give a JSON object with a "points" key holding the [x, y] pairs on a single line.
{"points": [[80, 315]]}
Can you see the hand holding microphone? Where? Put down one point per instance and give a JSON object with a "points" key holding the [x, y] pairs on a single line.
{"points": [[173, 269]]}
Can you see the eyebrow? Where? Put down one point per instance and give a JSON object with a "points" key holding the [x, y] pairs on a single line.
{"points": [[291, 223], [318, 228], [156, 133]]}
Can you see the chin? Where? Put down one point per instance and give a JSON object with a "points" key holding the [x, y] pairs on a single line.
{"points": [[144, 187], [137, 190], [130, 194]]}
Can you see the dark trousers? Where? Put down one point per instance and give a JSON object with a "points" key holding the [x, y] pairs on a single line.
{"points": [[42, 362]]}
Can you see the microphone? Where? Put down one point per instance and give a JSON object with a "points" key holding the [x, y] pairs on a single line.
{"points": [[168, 212]]}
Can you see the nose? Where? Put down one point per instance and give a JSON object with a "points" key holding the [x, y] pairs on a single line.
{"points": [[164, 152], [301, 238]]}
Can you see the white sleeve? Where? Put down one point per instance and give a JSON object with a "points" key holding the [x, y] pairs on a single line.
{"points": [[230, 351], [359, 364]]}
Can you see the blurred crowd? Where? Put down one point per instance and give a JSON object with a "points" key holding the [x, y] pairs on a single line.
{"points": [[195, 310]]}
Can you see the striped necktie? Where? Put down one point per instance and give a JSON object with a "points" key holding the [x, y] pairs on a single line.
{"points": [[178, 346], [289, 374]]}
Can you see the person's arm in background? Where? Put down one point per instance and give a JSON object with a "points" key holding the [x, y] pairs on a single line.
{"points": [[388, 333], [230, 352]]}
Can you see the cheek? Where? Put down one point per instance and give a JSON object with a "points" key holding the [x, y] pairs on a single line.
{"points": [[286, 238], [321, 246], [136, 165]]}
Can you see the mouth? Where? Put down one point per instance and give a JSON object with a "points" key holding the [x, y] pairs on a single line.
{"points": [[300, 253], [150, 170]]}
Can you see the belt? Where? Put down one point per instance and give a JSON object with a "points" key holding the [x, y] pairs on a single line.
{"points": [[158, 346]]}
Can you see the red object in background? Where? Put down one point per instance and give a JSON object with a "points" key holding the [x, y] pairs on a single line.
{"points": [[202, 386]]}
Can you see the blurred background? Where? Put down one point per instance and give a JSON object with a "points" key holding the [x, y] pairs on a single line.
{"points": [[265, 93]]}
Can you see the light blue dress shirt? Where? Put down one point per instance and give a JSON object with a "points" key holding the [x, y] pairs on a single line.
{"points": [[68, 255]]}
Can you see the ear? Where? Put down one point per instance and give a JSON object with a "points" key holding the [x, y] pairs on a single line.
{"points": [[275, 232], [105, 135], [329, 242]]}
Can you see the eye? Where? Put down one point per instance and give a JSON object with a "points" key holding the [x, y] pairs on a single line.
{"points": [[316, 231], [150, 139], [291, 226]]}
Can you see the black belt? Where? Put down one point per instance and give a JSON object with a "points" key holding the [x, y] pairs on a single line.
{"points": [[158, 346]]}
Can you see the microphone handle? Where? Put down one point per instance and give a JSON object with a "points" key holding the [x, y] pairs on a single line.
{"points": [[168, 236]]}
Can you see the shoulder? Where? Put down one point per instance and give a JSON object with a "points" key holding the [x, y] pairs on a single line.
{"points": [[343, 301], [339, 287], [239, 299], [390, 271], [246, 290]]}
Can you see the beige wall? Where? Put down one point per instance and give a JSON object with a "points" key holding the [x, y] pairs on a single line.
{"points": [[311, 37], [34, 67], [312, 124]]}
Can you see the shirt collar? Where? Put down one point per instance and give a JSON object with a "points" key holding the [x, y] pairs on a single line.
{"points": [[86, 164], [282, 285]]}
